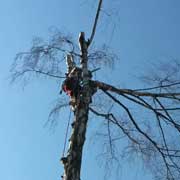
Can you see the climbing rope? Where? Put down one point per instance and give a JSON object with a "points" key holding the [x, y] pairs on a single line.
{"points": [[67, 129]]}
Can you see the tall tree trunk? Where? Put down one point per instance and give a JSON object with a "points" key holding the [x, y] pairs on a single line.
{"points": [[72, 163]]}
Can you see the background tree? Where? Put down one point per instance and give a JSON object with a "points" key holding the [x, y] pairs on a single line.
{"points": [[150, 135]]}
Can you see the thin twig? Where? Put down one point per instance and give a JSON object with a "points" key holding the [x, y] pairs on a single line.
{"points": [[158, 87]]}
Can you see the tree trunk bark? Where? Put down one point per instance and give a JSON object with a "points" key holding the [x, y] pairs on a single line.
{"points": [[72, 163]]}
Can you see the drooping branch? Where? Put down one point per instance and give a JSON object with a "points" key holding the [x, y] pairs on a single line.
{"points": [[102, 56], [19, 74], [44, 57], [52, 121]]}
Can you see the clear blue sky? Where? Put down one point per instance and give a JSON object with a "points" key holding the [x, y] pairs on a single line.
{"points": [[146, 32]]}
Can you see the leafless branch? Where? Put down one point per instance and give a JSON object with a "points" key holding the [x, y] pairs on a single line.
{"points": [[110, 117], [102, 56], [95, 22], [54, 113], [107, 87], [45, 58], [170, 164], [158, 87]]}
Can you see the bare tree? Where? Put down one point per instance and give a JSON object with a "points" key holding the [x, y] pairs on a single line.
{"points": [[146, 119]]}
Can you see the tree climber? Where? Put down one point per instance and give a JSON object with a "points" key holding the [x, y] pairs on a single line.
{"points": [[71, 86]]}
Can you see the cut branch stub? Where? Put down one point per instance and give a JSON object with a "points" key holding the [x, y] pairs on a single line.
{"points": [[70, 63]]}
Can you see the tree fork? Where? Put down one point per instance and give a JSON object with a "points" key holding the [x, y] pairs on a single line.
{"points": [[72, 162]]}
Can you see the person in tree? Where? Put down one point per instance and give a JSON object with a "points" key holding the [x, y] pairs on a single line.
{"points": [[71, 86]]}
